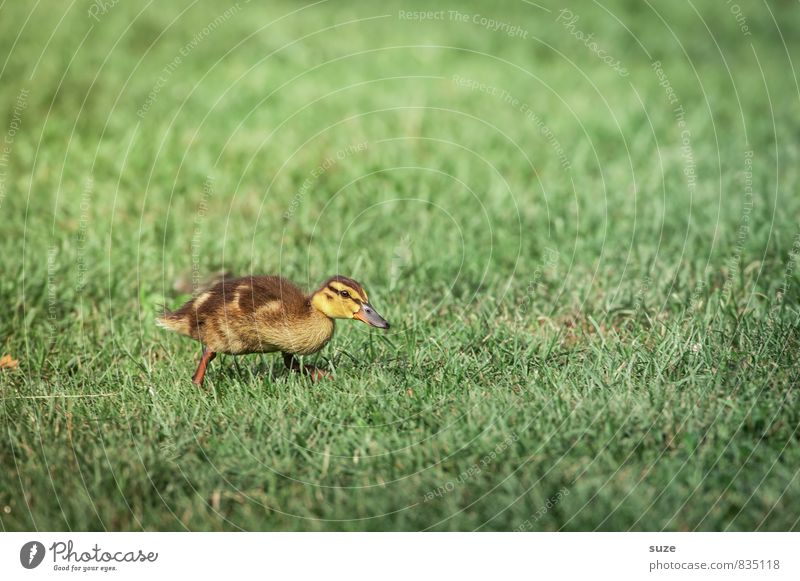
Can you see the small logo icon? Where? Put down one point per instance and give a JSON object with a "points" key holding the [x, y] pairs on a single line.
{"points": [[31, 554]]}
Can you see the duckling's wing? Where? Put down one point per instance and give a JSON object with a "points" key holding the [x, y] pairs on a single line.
{"points": [[267, 295], [237, 315]]}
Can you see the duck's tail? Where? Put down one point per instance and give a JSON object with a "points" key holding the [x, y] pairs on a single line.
{"points": [[172, 321]]}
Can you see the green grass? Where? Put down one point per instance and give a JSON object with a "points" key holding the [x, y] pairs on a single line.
{"points": [[573, 316]]}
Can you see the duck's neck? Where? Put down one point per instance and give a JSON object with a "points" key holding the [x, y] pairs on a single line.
{"points": [[317, 302]]}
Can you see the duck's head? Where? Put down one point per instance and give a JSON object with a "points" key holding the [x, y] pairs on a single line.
{"points": [[340, 297]]}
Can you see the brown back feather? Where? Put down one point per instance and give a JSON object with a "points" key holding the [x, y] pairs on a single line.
{"points": [[249, 292]]}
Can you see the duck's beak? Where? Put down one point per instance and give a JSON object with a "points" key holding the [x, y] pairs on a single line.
{"points": [[371, 317]]}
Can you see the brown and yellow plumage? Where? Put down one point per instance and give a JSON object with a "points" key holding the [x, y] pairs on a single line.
{"points": [[264, 314]]}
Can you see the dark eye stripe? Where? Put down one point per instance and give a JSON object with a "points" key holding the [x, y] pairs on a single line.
{"points": [[346, 294]]}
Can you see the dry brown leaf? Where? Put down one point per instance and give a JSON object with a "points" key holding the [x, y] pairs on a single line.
{"points": [[7, 363]]}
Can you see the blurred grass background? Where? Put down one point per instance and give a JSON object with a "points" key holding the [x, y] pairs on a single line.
{"points": [[586, 295]]}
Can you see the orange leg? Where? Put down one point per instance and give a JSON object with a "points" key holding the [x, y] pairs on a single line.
{"points": [[314, 372], [208, 356]]}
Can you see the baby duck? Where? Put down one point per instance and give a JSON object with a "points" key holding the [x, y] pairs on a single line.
{"points": [[264, 314]]}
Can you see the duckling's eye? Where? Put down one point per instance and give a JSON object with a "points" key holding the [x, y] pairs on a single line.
{"points": [[345, 294]]}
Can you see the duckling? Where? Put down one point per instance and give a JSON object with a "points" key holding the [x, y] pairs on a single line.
{"points": [[265, 314]]}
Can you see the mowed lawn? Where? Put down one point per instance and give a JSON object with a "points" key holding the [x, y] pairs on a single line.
{"points": [[584, 232]]}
